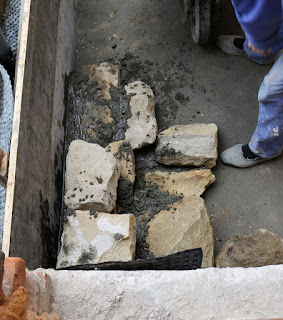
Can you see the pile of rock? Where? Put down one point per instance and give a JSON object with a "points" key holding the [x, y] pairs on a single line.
{"points": [[99, 179]]}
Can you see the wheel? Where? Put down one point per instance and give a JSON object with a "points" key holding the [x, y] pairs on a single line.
{"points": [[201, 20]]}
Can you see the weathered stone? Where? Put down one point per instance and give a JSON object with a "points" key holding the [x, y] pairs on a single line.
{"points": [[219, 294], [258, 249], [185, 183], [124, 155], [106, 74], [96, 238], [142, 126], [185, 226], [91, 177], [189, 145]]}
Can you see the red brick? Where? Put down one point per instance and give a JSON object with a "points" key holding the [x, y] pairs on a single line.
{"points": [[38, 286], [14, 275]]}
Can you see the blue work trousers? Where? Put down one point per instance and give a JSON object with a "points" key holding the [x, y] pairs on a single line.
{"points": [[267, 140]]}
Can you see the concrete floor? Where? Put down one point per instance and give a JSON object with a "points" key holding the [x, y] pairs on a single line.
{"points": [[218, 88]]}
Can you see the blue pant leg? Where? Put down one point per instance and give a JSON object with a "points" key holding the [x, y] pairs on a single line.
{"points": [[266, 59], [267, 140]]}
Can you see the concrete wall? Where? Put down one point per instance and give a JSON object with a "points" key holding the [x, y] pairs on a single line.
{"points": [[33, 203], [232, 293]]}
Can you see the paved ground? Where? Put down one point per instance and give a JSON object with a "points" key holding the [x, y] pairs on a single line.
{"points": [[216, 87]]}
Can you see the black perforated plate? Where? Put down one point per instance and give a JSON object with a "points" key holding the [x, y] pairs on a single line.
{"points": [[184, 260]]}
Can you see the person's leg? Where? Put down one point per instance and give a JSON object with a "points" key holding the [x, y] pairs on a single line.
{"points": [[237, 45], [267, 140]]}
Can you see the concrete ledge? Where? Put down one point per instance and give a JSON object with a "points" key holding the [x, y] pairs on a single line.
{"points": [[238, 293]]}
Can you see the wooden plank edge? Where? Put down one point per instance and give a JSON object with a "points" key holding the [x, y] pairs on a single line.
{"points": [[19, 83]]}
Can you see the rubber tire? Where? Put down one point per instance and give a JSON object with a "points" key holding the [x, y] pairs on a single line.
{"points": [[201, 20]]}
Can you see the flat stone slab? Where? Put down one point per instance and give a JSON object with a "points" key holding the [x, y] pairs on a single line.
{"points": [[188, 145], [258, 249], [185, 183], [96, 238], [142, 126], [92, 176], [185, 226], [123, 153], [220, 294]]}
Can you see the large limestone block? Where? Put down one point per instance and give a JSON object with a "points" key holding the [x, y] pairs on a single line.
{"points": [[185, 183], [92, 176], [124, 155], [184, 226], [105, 74], [142, 126], [96, 238], [189, 145], [258, 249]]}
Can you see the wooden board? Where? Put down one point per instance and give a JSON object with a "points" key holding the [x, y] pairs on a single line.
{"points": [[2, 10], [33, 202]]}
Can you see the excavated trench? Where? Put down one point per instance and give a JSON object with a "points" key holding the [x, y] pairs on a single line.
{"points": [[191, 85]]}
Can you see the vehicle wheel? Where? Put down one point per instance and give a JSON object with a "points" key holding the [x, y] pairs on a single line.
{"points": [[201, 20]]}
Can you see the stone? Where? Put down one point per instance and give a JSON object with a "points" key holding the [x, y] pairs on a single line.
{"points": [[184, 226], [106, 74], [258, 249], [188, 145], [96, 238], [14, 275], [92, 176], [39, 291], [184, 183], [123, 153], [142, 126], [212, 293]]}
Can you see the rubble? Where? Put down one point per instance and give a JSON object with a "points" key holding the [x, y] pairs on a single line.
{"points": [[124, 155], [142, 126], [186, 225], [188, 145], [258, 249], [92, 176], [96, 238], [185, 183]]}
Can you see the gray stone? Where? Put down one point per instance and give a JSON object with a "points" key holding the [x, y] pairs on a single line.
{"points": [[142, 126], [258, 249], [189, 145], [184, 226], [92, 176], [96, 238]]}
